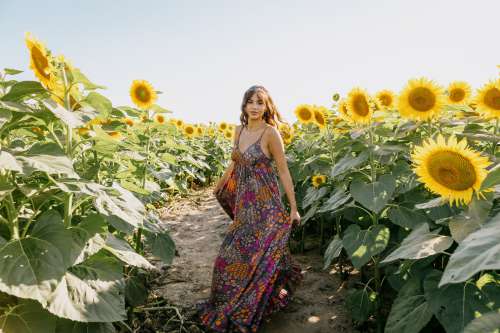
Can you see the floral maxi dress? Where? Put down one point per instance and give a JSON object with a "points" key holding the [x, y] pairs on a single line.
{"points": [[254, 262]]}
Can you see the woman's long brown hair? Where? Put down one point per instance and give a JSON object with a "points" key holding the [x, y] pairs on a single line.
{"points": [[271, 115]]}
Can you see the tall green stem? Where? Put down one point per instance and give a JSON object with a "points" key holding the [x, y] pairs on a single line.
{"points": [[495, 142]]}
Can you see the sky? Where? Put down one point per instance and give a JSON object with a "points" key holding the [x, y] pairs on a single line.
{"points": [[203, 55]]}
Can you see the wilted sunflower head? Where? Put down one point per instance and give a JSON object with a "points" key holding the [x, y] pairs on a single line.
{"points": [[359, 105], [450, 169], [421, 99], [304, 113], [317, 180], [385, 99], [459, 92], [40, 60], [142, 93], [488, 99]]}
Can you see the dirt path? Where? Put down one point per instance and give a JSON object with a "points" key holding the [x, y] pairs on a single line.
{"points": [[198, 225]]}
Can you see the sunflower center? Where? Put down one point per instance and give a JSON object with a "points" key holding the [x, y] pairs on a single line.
{"points": [[305, 114], [319, 118], [457, 95], [422, 99], [386, 100], [360, 105], [143, 94], [452, 170], [40, 61], [492, 98]]}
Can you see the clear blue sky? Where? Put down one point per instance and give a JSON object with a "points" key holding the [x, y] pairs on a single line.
{"points": [[204, 54]]}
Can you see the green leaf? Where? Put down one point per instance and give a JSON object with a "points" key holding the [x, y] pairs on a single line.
{"points": [[124, 211], [410, 312], [348, 163], [22, 89], [79, 77], [123, 251], [100, 103], [332, 251], [11, 71], [5, 117], [362, 245], [46, 157], [479, 251], [92, 291], [339, 198], [68, 326], [27, 317], [407, 218], [374, 196], [69, 118], [361, 304], [162, 246], [492, 179], [136, 291], [436, 202], [487, 323], [313, 194], [30, 268], [453, 305], [420, 243], [470, 220], [9, 162]]}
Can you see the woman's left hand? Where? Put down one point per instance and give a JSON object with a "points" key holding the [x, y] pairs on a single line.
{"points": [[295, 218]]}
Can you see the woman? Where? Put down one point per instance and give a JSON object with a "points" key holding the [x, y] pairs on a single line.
{"points": [[253, 274]]}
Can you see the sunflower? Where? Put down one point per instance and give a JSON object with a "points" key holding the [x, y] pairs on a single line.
{"points": [[188, 130], [343, 111], [459, 92], [450, 169], [142, 93], [228, 134], [222, 126], [211, 131], [287, 137], [58, 95], [83, 131], [179, 123], [421, 99], [304, 113], [199, 130], [320, 116], [159, 118], [317, 180], [115, 135], [40, 60], [359, 105], [488, 99], [385, 99], [129, 121]]}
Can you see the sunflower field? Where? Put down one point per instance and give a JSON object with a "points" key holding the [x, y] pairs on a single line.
{"points": [[406, 187], [403, 188], [80, 181]]}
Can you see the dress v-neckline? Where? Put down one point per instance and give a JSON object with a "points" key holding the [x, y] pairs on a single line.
{"points": [[238, 143]]}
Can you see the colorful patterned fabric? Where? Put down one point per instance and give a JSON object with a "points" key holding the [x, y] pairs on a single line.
{"points": [[254, 262]]}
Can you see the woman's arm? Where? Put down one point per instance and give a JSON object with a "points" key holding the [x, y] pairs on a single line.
{"points": [[277, 150]]}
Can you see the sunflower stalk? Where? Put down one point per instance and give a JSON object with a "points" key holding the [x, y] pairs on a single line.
{"points": [[495, 142], [138, 236]]}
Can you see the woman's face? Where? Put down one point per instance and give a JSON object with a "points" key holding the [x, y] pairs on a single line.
{"points": [[255, 107]]}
